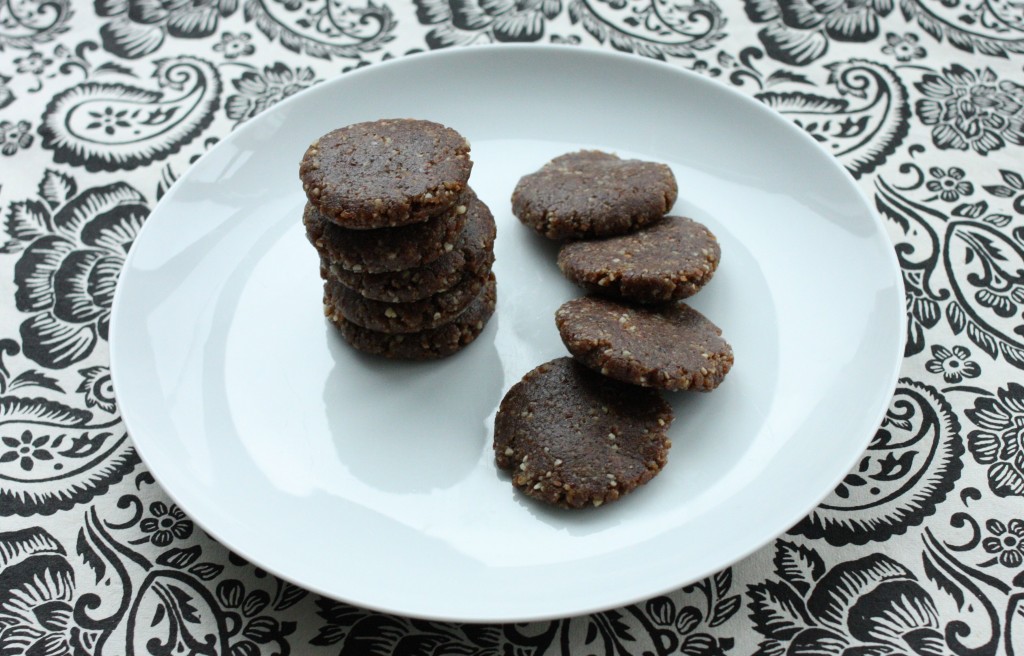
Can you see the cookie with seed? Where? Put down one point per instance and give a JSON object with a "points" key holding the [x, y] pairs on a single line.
{"points": [[590, 194], [385, 173], [671, 347], [442, 341], [574, 438], [472, 255], [387, 249], [403, 317], [666, 261]]}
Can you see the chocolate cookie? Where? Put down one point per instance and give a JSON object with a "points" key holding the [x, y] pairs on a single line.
{"points": [[573, 438], [666, 261], [387, 249], [438, 342], [670, 347], [472, 255], [385, 173], [590, 194], [403, 317]]}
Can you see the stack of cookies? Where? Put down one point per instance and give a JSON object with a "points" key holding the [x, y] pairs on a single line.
{"points": [[406, 247]]}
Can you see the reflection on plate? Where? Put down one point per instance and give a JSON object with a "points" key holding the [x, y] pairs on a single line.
{"points": [[373, 481]]}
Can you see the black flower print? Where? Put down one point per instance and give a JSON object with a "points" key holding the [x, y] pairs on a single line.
{"points": [[1006, 541], [74, 247], [971, 110], [98, 388], [798, 31], [904, 48], [257, 91], [247, 627], [27, 449], [1012, 189], [950, 184], [871, 605], [999, 442], [37, 598], [953, 364], [14, 136], [34, 63], [166, 524], [140, 26], [109, 120], [714, 606], [234, 46], [461, 22]]}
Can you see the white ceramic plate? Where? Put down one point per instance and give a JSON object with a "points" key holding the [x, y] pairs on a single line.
{"points": [[373, 481]]}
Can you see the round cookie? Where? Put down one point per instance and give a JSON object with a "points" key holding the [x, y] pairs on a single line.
{"points": [[590, 194], [672, 347], [387, 249], [432, 344], [574, 438], [669, 260], [385, 173], [472, 255], [403, 317]]}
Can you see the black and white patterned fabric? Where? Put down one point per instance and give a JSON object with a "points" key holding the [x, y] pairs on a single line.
{"points": [[920, 550]]}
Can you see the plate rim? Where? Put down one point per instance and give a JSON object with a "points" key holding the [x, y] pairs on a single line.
{"points": [[585, 53]]}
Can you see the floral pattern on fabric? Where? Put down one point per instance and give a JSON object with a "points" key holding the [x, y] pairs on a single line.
{"points": [[919, 549]]}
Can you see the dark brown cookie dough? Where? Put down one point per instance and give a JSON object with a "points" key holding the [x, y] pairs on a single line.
{"points": [[590, 194], [439, 342], [403, 317], [472, 255], [387, 249], [385, 173], [573, 438], [666, 261], [672, 347]]}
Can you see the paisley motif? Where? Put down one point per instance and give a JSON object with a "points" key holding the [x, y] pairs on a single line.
{"points": [[986, 272], [862, 132], [180, 617], [653, 28], [53, 456], [323, 28], [988, 27], [912, 463], [918, 249], [109, 126], [23, 24]]}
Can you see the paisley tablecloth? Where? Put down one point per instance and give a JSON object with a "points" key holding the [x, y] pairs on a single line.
{"points": [[920, 550]]}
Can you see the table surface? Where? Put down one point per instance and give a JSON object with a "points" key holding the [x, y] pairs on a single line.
{"points": [[919, 550]]}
